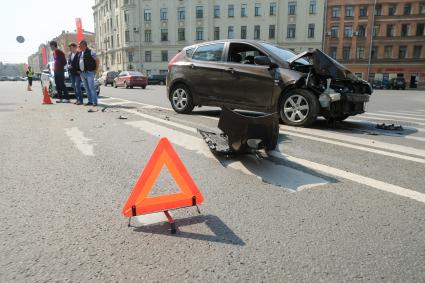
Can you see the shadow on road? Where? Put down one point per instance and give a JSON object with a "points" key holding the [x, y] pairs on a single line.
{"points": [[222, 233]]}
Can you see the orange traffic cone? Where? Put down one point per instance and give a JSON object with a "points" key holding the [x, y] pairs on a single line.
{"points": [[46, 97]]}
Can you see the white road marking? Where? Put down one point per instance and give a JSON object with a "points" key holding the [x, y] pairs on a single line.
{"points": [[354, 119], [396, 116], [119, 103], [279, 175], [403, 113], [365, 116], [356, 140], [80, 141]]}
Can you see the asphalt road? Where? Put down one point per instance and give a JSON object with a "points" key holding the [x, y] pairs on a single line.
{"points": [[337, 204]]}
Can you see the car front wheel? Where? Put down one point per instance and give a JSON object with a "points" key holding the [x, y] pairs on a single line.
{"points": [[299, 108], [181, 99]]}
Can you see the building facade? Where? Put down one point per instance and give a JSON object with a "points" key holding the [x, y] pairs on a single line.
{"points": [[144, 34], [35, 60], [378, 40]]}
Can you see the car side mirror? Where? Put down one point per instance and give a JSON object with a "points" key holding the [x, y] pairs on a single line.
{"points": [[264, 61]]}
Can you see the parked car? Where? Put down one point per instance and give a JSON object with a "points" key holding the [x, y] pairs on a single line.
{"points": [[108, 77], [3, 78], [157, 79], [397, 83], [378, 84], [130, 79], [259, 76], [48, 79]]}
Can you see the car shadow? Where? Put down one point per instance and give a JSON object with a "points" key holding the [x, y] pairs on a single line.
{"points": [[221, 232]]}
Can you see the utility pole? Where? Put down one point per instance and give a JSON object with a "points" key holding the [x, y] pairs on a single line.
{"points": [[371, 40]]}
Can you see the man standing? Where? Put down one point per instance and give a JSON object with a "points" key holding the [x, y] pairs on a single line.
{"points": [[59, 71], [74, 72], [89, 63], [30, 74]]}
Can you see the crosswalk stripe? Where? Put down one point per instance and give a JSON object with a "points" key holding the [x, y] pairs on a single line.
{"points": [[186, 140], [396, 116], [397, 120], [356, 119], [403, 113]]}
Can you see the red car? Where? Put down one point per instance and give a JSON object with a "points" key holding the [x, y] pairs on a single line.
{"points": [[130, 79]]}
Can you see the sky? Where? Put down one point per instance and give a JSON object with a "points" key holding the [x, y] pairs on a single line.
{"points": [[38, 21]]}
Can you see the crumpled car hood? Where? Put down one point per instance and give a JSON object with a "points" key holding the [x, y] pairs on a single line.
{"points": [[326, 66]]}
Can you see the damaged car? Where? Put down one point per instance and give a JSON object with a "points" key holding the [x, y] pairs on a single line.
{"points": [[259, 76]]}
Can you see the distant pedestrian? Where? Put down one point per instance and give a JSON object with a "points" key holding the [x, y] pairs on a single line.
{"points": [[59, 71], [74, 72], [88, 64], [30, 74]]}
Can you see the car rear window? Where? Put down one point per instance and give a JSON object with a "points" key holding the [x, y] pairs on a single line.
{"points": [[135, 74], [210, 52]]}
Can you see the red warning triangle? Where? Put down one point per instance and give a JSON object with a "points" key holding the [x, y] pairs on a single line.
{"points": [[189, 195]]}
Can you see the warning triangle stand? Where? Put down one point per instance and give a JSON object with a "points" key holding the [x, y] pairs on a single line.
{"points": [[140, 203]]}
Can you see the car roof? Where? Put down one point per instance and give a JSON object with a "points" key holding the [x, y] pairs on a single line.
{"points": [[250, 41]]}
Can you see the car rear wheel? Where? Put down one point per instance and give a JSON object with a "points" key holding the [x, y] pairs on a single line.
{"points": [[299, 108], [181, 99], [144, 87]]}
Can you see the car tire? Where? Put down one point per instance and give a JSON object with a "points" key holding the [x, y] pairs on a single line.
{"points": [[131, 86], [341, 118], [181, 99], [115, 85], [144, 87], [298, 108]]}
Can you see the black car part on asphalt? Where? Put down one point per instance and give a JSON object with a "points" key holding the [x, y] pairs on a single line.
{"points": [[243, 133]]}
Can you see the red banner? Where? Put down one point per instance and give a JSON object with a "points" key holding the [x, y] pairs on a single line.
{"points": [[79, 24], [44, 55]]}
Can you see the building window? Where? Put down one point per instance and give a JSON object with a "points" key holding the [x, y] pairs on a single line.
{"points": [[376, 30], [148, 35], [378, 10], [310, 32], [348, 31], [405, 30], [422, 8], [312, 7], [243, 32], [164, 34], [181, 13], [388, 52], [360, 52], [346, 53], [127, 36], [216, 33], [332, 52], [334, 31], [417, 51], [216, 11], [349, 11], [291, 31], [402, 52], [199, 33], [272, 31], [257, 32], [199, 12], [164, 55], [390, 30], [392, 9], [126, 17], [130, 56], [292, 8], [231, 11], [181, 34], [230, 32], [361, 31], [420, 29], [147, 15], [163, 14], [363, 11], [118, 40], [335, 12], [257, 9], [244, 12], [148, 56], [374, 53], [273, 9], [407, 9]]}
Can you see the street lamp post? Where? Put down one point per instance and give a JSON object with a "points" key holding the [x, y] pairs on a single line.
{"points": [[106, 41]]}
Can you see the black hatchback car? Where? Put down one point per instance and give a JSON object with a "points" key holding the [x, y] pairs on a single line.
{"points": [[259, 76]]}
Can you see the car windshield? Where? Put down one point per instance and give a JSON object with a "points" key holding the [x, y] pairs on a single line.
{"points": [[284, 54], [135, 74]]}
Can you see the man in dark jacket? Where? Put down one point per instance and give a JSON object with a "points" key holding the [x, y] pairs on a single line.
{"points": [[59, 70], [89, 64], [74, 72]]}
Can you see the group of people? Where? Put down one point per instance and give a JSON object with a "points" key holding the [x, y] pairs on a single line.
{"points": [[82, 64]]}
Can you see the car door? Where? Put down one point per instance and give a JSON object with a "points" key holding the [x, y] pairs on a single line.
{"points": [[120, 80], [204, 71], [248, 86]]}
